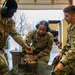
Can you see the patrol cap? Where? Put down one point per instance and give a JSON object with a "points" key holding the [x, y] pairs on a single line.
{"points": [[44, 23]]}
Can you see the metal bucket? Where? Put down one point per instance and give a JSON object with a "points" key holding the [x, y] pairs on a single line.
{"points": [[16, 58]]}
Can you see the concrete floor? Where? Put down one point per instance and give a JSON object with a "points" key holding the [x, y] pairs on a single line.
{"points": [[55, 51]]}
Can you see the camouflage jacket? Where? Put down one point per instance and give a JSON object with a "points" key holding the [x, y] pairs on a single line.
{"points": [[41, 45], [7, 27], [69, 48]]}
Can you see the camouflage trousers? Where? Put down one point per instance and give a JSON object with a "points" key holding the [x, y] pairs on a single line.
{"points": [[3, 64], [69, 69], [44, 60]]}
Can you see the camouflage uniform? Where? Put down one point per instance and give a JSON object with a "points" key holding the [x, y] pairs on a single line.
{"points": [[41, 45], [7, 27], [68, 58]]}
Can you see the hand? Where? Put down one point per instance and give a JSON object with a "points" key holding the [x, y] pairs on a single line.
{"points": [[28, 49], [59, 67], [27, 60], [35, 57], [59, 56]]}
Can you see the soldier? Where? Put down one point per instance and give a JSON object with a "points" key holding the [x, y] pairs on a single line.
{"points": [[41, 42], [7, 27], [64, 62]]}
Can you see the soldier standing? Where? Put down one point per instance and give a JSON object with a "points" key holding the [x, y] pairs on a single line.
{"points": [[41, 42], [7, 27], [66, 58]]}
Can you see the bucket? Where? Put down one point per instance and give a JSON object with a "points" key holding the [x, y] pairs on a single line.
{"points": [[16, 58]]}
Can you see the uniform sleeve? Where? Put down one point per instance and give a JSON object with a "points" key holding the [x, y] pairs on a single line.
{"points": [[29, 38], [65, 48], [16, 36], [70, 55], [48, 47]]}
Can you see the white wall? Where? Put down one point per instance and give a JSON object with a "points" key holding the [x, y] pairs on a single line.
{"points": [[13, 44]]}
